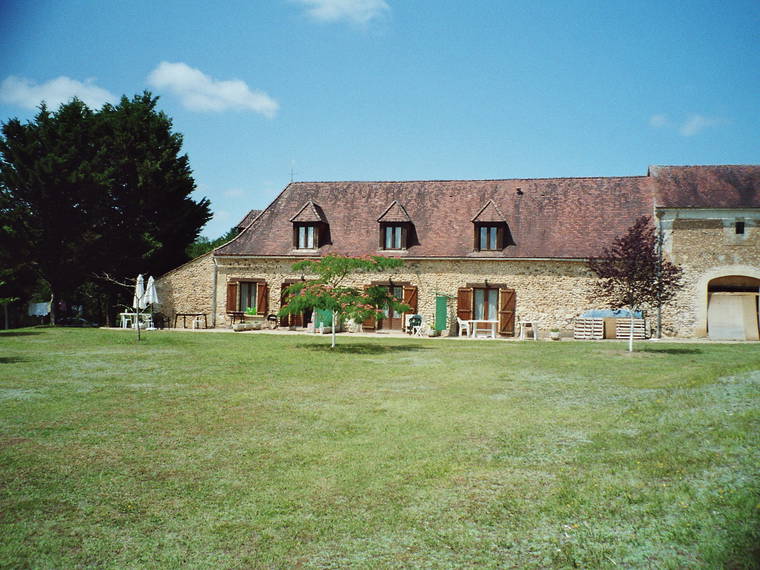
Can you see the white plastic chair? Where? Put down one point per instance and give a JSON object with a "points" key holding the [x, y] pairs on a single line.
{"points": [[464, 327], [197, 322]]}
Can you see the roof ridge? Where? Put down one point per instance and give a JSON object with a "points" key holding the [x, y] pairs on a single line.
{"points": [[471, 179]]}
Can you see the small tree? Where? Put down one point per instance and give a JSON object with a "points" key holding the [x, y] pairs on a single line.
{"points": [[632, 274], [329, 292]]}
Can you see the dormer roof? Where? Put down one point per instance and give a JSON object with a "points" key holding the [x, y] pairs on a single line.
{"points": [[395, 212], [489, 213], [309, 213]]}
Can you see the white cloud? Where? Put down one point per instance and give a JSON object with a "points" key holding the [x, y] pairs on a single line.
{"points": [[199, 92], [26, 93], [696, 123], [359, 12], [658, 121]]}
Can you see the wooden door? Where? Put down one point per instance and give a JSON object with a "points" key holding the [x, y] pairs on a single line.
{"points": [[507, 304], [392, 320]]}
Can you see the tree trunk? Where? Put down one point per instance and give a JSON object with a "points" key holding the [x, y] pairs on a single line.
{"points": [[630, 333], [5, 314], [53, 301], [334, 313]]}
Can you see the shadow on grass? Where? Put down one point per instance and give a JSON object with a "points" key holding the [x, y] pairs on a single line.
{"points": [[19, 333], [672, 350], [359, 348], [11, 359]]}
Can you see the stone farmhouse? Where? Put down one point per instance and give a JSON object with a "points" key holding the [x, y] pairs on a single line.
{"points": [[495, 249]]}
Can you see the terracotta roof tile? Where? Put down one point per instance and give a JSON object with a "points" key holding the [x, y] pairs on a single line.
{"points": [[547, 218], [247, 219], [394, 213], [310, 212], [725, 186], [489, 213]]}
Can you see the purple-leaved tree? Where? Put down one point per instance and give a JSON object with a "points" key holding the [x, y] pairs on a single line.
{"points": [[632, 273]]}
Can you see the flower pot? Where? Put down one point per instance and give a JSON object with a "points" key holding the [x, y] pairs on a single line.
{"points": [[554, 335]]}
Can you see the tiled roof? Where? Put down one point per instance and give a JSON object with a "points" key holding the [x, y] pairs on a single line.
{"points": [[310, 212], [725, 186], [394, 213], [562, 218], [247, 219], [489, 213]]}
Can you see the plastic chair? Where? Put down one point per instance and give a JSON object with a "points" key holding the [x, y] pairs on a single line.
{"points": [[197, 322], [414, 322], [464, 327]]}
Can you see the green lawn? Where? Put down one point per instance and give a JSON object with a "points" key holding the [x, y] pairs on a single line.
{"points": [[244, 450]]}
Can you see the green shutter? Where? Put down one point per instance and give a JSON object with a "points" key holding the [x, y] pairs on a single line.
{"points": [[441, 309], [323, 317]]}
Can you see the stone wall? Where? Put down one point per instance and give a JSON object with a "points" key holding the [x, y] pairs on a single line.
{"points": [[188, 288], [705, 244], [550, 292], [553, 293]]}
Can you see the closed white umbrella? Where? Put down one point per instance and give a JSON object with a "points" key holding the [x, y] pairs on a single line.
{"points": [[138, 302], [151, 295]]}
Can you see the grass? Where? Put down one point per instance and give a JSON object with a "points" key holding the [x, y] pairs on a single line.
{"points": [[238, 451]]}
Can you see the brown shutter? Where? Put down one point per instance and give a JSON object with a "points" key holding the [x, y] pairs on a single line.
{"points": [[261, 298], [410, 298], [232, 297], [370, 323], [464, 303], [507, 302], [381, 241]]}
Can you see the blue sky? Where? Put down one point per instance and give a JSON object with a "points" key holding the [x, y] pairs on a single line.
{"points": [[402, 89]]}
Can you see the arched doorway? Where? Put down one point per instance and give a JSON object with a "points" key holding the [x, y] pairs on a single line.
{"points": [[732, 308]]}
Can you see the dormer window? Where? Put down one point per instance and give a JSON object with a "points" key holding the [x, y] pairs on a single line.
{"points": [[310, 228], [491, 229], [488, 237], [394, 236], [395, 227], [305, 236]]}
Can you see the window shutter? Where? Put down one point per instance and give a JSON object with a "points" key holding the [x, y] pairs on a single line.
{"points": [[261, 298], [507, 302], [232, 297], [370, 323], [410, 298], [382, 237], [464, 303]]}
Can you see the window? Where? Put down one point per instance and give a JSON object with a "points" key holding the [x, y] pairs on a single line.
{"points": [[485, 304], [248, 295], [393, 237], [243, 294], [306, 235], [488, 238], [739, 228]]}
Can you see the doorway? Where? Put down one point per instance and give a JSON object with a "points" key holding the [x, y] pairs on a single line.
{"points": [[392, 320], [732, 308]]}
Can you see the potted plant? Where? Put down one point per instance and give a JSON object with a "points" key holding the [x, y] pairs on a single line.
{"points": [[554, 334]]}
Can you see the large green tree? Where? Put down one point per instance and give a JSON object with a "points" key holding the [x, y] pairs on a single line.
{"points": [[92, 193]]}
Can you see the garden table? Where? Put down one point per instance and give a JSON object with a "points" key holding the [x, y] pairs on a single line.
{"points": [[474, 326], [192, 315]]}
